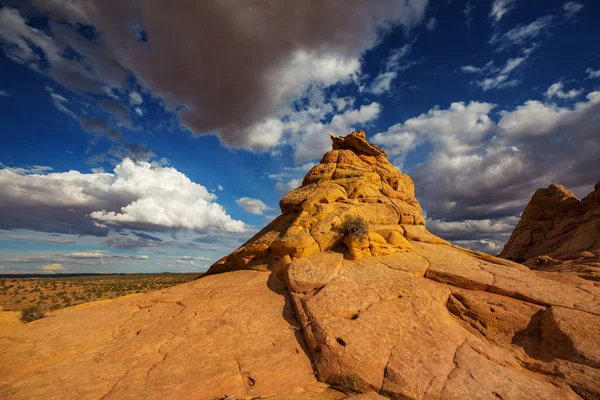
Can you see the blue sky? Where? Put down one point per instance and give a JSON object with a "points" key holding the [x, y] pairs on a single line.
{"points": [[158, 137]]}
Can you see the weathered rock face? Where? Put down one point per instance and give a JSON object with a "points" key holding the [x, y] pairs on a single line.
{"points": [[413, 318], [353, 179], [559, 233]]}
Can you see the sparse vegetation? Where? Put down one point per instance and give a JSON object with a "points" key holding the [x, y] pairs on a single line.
{"points": [[352, 383], [31, 314], [355, 226], [51, 293]]}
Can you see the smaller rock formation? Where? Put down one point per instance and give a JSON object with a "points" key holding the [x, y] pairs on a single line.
{"points": [[354, 179], [559, 233]]}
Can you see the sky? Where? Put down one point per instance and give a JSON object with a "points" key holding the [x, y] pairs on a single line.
{"points": [[158, 136]]}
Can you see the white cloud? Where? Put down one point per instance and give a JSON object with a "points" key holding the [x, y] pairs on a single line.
{"points": [[139, 111], [501, 8], [383, 82], [470, 69], [522, 34], [253, 206], [493, 247], [136, 195], [556, 90], [393, 66], [4, 93], [592, 74], [494, 77], [572, 8], [290, 178], [501, 78], [135, 98], [480, 174], [52, 267], [311, 140], [342, 102], [459, 128], [285, 187]]}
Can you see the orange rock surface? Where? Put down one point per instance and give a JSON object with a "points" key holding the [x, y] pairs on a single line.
{"points": [[301, 312], [559, 233]]}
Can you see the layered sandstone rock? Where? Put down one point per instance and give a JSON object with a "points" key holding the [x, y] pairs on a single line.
{"points": [[280, 318], [353, 179], [559, 233]]}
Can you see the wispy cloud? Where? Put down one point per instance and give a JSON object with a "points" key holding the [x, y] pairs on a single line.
{"points": [[500, 8], [494, 77], [572, 8], [395, 64], [592, 74], [522, 35]]}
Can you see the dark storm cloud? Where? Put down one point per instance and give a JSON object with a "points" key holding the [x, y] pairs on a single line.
{"points": [[228, 65]]}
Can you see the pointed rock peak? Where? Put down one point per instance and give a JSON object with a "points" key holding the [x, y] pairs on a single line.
{"points": [[554, 192], [354, 202], [357, 142]]}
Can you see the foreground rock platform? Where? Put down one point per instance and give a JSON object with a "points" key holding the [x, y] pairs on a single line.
{"points": [[394, 313]]}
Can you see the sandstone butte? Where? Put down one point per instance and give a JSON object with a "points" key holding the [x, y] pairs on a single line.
{"points": [[302, 311], [559, 233]]}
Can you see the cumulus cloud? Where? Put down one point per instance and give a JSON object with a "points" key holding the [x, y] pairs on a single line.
{"points": [[137, 195], [556, 90], [460, 128], [253, 206], [311, 139], [227, 85], [480, 169]]}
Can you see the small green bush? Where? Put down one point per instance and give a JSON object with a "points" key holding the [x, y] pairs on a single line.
{"points": [[355, 226], [31, 314]]}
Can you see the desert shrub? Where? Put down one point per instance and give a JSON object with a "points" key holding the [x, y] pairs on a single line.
{"points": [[352, 383], [355, 226], [31, 314]]}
